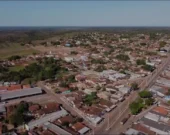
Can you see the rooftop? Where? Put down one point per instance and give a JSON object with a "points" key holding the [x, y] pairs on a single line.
{"points": [[20, 93]]}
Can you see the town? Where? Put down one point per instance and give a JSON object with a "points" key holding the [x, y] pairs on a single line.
{"points": [[88, 83]]}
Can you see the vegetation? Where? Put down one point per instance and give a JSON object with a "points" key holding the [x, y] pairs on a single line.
{"points": [[18, 117], [144, 101], [122, 57], [14, 57], [38, 71], [136, 107], [15, 49], [148, 68], [162, 44], [134, 86], [140, 62], [145, 94], [90, 98]]}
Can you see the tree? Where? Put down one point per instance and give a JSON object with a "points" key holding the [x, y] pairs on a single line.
{"points": [[140, 62], [135, 107], [134, 86], [145, 94], [162, 44], [65, 124], [16, 119], [14, 57], [149, 101], [4, 129], [122, 57], [148, 68], [22, 107]]}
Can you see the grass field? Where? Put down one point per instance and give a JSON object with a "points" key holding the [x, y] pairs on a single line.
{"points": [[15, 49], [16, 68]]}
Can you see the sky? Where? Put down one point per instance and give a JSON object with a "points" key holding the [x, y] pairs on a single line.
{"points": [[85, 13]]}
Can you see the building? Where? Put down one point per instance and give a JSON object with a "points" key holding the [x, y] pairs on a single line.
{"points": [[9, 95], [79, 127], [49, 117], [56, 129]]}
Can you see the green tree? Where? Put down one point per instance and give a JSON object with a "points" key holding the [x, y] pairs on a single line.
{"points": [[148, 68], [134, 86], [136, 107], [140, 62], [145, 94], [16, 119], [149, 101], [162, 44]]}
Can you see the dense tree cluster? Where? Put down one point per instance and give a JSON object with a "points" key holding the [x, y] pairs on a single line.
{"points": [[144, 101], [45, 69]]}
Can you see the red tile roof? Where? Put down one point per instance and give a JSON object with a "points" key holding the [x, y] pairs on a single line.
{"points": [[15, 87], [3, 88], [78, 126], [69, 119], [51, 107], [160, 110], [143, 129], [34, 108]]}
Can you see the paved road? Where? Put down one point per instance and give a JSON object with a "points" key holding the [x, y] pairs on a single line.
{"points": [[145, 84]]}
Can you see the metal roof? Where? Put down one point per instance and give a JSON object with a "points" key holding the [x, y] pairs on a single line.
{"points": [[20, 93], [46, 118], [156, 125], [56, 129]]}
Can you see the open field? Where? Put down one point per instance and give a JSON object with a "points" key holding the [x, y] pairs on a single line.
{"points": [[16, 68], [15, 49]]}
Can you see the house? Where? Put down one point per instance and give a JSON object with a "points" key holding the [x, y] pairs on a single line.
{"points": [[49, 117], [143, 129], [79, 127], [161, 110], [132, 131], [158, 90], [55, 129], [51, 107], [109, 105], [34, 108], [157, 127], [65, 119], [104, 95]]}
